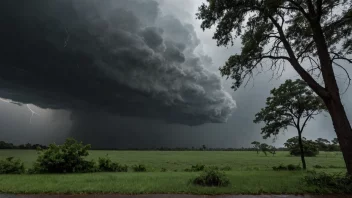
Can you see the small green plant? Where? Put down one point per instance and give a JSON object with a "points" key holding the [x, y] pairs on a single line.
{"points": [[279, 168], [11, 166], [318, 166], [163, 170], [336, 183], [332, 166], [211, 177], [290, 167], [106, 165], [139, 168], [195, 168]]}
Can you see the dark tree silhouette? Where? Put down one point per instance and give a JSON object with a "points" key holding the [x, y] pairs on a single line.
{"points": [[316, 33], [256, 146], [292, 104]]}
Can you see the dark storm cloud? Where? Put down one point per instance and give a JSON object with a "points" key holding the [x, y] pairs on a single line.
{"points": [[117, 56]]}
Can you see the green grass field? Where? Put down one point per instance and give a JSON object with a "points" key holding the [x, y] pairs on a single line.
{"points": [[250, 174]]}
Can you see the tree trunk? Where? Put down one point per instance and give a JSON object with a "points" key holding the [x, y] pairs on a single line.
{"points": [[302, 150], [333, 102], [343, 130]]}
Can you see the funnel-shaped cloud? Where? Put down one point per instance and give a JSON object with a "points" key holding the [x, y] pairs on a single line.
{"points": [[119, 56]]}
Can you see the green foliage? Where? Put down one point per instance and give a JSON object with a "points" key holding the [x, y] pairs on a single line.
{"points": [[292, 104], [310, 148], [256, 146], [11, 166], [272, 150], [106, 165], [337, 183], [195, 168], [279, 168], [278, 32], [335, 141], [66, 158], [264, 148], [325, 145], [211, 177], [163, 170], [139, 168], [5, 145], [290, 167], [318, 166]]}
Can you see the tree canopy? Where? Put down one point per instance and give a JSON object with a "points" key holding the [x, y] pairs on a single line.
{"points": [[280, 31], [310, 148], [292, 104]]}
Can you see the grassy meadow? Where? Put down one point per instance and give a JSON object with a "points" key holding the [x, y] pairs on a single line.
{"points": [[250, 173]]}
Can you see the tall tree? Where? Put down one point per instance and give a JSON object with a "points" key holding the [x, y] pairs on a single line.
{"points": [[292, 104], [314, 33], [256, 146], [264, 148]]}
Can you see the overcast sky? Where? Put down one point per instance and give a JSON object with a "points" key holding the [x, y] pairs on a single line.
{"points": [[127, 74]]}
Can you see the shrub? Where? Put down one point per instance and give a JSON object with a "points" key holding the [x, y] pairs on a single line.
{"points": [[279, 168], [318, 166], [336, 183], [106, 165], [195, 168], [163, 169], [225, 168], [11, 166], [139, 168], [211, 177], [66, 158], [292, 167], [289, 167], [332, 166]]}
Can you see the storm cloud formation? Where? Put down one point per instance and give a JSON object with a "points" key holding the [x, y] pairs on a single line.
{"points": [[115, 56]]}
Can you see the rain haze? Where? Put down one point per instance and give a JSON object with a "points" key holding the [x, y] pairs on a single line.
{"points": [[127, 74]]}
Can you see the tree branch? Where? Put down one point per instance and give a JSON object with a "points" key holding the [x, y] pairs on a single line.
{"points": [[295, 64], [300, 8], [348, 77], [305, 121], [276, 57], [339, 57], [305, 49]]}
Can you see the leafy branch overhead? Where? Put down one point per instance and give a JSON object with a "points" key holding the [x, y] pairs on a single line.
{"points": [[274, 32], [292, 104]]}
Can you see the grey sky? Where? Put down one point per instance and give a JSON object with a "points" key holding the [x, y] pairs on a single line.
{"points": [[103, 128]]}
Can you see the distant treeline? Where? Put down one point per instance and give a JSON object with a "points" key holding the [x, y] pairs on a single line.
{"points": [[5, 145], [188, 149]]}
